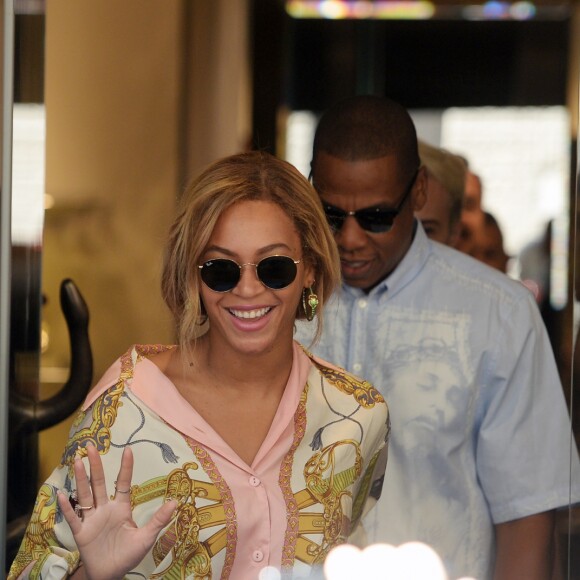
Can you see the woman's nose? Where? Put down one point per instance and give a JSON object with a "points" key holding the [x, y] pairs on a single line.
{"points": [[249, 283]]}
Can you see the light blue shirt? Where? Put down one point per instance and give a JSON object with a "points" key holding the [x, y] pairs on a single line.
{"points": [[480, 428]]}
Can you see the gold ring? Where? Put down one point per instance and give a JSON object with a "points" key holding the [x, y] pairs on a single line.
{"points": [[85, 507], [121, 490]]}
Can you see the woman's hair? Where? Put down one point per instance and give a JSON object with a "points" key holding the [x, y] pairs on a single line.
{"points": [[244, 177]]}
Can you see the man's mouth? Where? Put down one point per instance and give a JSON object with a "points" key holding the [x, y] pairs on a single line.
{"points": [[354, 264]]}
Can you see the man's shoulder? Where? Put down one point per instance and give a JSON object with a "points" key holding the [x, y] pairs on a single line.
{"points": [[447, 267]]}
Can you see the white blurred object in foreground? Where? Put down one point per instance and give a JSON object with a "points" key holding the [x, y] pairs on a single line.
{"points": [[411, 561]]}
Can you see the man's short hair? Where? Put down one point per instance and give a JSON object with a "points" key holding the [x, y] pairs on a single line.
{"points": [[449, 169], [367, 127]]}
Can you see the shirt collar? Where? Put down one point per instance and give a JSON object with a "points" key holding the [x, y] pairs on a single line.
{"points": [[154, 388], [407, 269]]}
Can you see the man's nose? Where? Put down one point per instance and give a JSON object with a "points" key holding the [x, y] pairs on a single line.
{"points": [[351, 236]]}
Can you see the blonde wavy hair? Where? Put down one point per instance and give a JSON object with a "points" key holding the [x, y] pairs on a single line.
{"points": [[243, 177]]}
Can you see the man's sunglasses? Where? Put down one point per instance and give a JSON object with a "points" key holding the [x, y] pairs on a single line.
{"points": [[274, 272], [376, 220]]}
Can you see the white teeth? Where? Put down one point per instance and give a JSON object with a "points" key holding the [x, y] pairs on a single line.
{"points": [[250, 313]]}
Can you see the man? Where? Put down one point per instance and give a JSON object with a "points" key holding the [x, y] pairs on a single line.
{"points": [[472, 212], [480, 438], [445, 189], [488, 244]]}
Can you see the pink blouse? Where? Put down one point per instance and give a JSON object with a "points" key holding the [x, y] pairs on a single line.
{"points": [[308, 483]]}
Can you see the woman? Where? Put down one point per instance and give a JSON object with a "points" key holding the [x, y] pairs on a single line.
{"points": [[238, 449]]}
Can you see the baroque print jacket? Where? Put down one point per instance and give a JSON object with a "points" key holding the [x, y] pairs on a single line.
{"points": [[320, 467]]}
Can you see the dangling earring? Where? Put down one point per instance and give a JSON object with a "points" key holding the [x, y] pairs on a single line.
{"points": [[310, 300]]}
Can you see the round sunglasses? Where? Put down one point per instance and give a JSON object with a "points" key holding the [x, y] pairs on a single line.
{"points": [[274, 272]]}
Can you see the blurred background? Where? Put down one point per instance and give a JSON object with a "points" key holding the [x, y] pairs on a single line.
{"points": [[117, 105]]}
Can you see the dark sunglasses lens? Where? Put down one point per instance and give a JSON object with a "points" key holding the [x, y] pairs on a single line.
{"points": [[376, 221], [277, 272], [334, 217], [220, 275]]}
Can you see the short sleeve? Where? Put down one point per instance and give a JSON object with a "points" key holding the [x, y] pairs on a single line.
{"points": [[523, 437]]}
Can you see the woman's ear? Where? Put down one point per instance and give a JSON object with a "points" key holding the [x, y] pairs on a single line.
{"points": [[309, 278]]}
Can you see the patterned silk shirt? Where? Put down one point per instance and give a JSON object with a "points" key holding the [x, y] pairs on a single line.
{"points": [[319, 469]]}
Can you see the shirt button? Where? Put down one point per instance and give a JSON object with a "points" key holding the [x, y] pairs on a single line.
{"points": [[254, 481], [258, 555], [356, 367], [362, 303]]}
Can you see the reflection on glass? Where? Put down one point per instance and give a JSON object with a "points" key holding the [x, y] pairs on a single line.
{"points": [[29, 132]]}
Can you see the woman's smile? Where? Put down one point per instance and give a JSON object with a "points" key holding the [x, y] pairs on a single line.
{"points": [[252, 315], [249, 314]]}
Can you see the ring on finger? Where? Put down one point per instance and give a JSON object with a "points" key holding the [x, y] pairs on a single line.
{"points": [[121, 490], [86, 507]]}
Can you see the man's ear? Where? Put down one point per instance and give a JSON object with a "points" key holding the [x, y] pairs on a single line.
{"points": [[420, 189]]}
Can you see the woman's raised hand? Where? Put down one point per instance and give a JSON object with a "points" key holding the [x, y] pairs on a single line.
{"points": [[109, 541]]}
